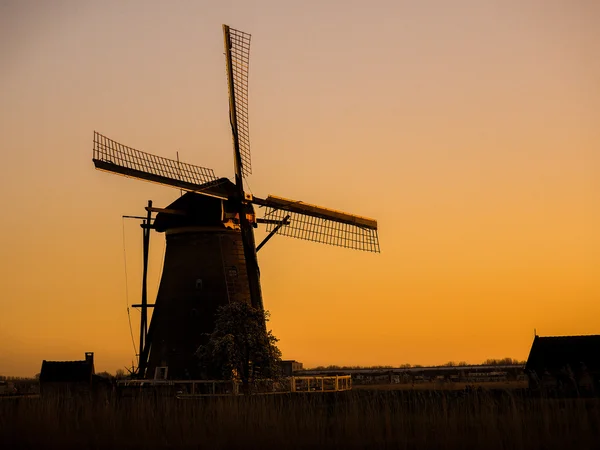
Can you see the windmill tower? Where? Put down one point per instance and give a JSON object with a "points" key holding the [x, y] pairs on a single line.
{"points": [[211, 254]]}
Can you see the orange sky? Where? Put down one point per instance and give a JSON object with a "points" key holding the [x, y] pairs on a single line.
{"points": [[468, 129]]}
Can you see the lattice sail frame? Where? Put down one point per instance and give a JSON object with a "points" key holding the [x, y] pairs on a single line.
{"points": [[239, 54], [324, 231], [111, 156]]}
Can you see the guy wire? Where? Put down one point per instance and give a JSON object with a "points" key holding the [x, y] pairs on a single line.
{"points": [[248, 185]]}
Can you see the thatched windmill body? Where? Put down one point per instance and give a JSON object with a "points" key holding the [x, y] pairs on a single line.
{"points": [[210, 256]]}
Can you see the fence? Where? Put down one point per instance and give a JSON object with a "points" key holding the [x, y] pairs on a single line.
{"points": [[321, 384], [213, 388]]}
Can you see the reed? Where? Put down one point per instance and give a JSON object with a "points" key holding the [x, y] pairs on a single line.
{"points": [[356, 419]]}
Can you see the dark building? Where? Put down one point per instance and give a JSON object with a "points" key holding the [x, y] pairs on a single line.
{"points": [[566, 365], [204, 268], [288, 367], [67, 377]]}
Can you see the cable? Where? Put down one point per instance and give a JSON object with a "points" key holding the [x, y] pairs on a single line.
{"points": [[248, 186], [127, 291]]}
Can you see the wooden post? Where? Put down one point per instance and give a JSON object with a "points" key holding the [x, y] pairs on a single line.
{"points": [[144, 309]]}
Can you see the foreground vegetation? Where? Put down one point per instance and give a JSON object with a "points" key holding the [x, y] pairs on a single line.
{"points": [[361, 419]]}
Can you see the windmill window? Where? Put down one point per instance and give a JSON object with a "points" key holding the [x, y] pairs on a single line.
{"points": [[199, 284], [194, 313], [233, 272]]}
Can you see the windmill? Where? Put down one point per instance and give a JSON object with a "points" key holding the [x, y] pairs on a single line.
{"points": [[211, 254]]}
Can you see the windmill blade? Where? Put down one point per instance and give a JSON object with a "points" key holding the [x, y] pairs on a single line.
{"points": [[237, 54], [323, 225], [116, 158]]}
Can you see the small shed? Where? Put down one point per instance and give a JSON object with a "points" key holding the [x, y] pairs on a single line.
{"points": [[67, 377], [289, 367], [566, 365]]}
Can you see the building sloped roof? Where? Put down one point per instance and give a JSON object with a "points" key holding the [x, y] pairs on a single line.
{"points": [[66, 371], [555, 352], [200, 210]]}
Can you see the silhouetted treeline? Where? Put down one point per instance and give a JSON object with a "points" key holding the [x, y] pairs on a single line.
{"points": [[487, 362]]}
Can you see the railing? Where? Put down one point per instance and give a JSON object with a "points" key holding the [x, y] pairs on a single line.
{"points": [[214, 388], [321, 384]]}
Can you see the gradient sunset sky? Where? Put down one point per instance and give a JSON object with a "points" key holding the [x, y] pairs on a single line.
{"points": [[469, 129]]}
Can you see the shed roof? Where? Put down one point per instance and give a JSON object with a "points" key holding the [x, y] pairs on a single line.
{"points": [[66, 371], [555, 352], [200, 210]]}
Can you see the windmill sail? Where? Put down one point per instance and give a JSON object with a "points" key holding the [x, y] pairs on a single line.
{"points": [[237, 57], [323, 225], [237, 53], [117, 158]]}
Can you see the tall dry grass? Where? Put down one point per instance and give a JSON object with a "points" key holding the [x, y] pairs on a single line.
{"points": [[365, 419]]}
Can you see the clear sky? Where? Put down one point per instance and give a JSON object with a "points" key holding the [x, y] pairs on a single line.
{"points": [[468, 129]]}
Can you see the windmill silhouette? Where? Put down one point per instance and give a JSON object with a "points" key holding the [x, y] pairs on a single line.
{"points": [[210, 256]]}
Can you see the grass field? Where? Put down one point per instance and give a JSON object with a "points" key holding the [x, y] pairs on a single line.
{"points": [[365, 418]]}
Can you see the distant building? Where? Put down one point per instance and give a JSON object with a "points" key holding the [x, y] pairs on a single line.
{"points": [[288, 367], [67, 377], [565, 365]]}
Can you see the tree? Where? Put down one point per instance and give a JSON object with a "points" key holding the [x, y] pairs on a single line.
{"points": [[240, 346], [106, 375], [503, 361]]}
